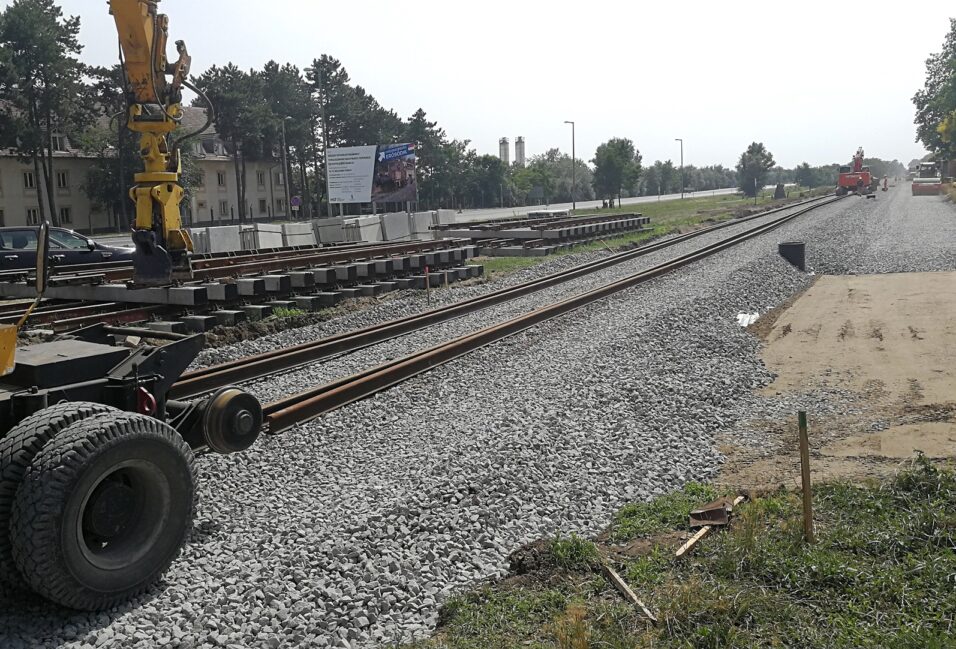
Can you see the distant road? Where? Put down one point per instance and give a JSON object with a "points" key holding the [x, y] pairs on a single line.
{"points": [[500, 213]]}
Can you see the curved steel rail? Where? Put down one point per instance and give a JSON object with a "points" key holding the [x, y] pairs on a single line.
{"points": [[305, 406], [249, 368]]}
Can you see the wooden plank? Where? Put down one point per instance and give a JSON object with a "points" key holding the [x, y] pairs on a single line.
{"points": [[625, 590]]}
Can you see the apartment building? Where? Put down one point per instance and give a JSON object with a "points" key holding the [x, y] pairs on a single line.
{"points": [[213, 202]]}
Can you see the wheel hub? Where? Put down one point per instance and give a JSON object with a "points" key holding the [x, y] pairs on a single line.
{"points": [[111, 508]]}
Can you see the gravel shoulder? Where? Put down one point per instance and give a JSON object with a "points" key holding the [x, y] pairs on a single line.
{"points": [[351, 530]]}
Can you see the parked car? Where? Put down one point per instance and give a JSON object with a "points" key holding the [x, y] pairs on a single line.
{"points": [[18, 247]]}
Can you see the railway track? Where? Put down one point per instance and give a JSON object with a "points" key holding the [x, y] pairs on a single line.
{"points": [[311, 403]]}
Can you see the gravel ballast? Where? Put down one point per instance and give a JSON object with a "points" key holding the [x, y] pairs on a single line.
{"points": [[352, 529]]}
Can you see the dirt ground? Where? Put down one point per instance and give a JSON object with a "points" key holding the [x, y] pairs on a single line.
{"points": [[891, 341]]}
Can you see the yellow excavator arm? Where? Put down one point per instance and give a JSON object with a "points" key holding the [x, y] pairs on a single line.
{"points": [[155, 110]]}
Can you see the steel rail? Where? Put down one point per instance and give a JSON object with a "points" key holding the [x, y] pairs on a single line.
{"points": [[260, 366], [309, 404]]}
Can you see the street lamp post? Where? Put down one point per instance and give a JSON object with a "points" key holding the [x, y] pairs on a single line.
{"points": [[681, 140], [285, 171], [574, 185]]}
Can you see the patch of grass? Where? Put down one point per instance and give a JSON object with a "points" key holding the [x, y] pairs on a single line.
{"points": [[489, 619], [667, 217], [650, 569], [497, 266], [664, 513], [574, 552], [881, 574], [283, 312]]}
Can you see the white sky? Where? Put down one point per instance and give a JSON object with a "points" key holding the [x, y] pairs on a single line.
{"points": [[812, 80]]}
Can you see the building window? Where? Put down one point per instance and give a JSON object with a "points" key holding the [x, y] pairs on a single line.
{"points": [[223, 208], [263, 206], [29, 182], [280, 179], [3, 221], [201, 179], [59, 143], [66, 216], [63, 180], [280, 205], [221, 177], [201, 205], [261, 178], [33, 216]]}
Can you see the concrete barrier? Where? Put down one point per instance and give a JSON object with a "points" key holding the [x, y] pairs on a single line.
{"points": [[298, 234], [329, 230], [396, 226], [225, 238], [261, 236]]}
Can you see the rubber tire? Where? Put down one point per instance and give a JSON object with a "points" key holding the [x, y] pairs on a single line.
{"points": [[17, 451], [50, 503]]}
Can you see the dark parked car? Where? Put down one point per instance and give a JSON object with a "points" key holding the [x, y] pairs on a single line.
{"points": [[18, 246]]}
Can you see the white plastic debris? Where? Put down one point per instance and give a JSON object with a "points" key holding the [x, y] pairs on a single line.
{"points": [[747, 319]]}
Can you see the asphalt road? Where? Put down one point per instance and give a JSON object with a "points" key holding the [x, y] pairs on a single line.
{"points": [[498, 213]]}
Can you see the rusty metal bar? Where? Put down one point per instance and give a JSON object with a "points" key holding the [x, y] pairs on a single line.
{"points": [[307, 405], [253, 367]]}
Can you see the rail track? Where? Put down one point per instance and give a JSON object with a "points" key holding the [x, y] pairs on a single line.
{"points": [[296, 409], [310, 276]]}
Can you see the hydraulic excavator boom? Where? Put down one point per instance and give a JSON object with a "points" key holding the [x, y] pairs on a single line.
{"points": [[155, 111]]}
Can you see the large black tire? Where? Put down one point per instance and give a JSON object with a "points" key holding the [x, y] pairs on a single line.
{"points": [[17, 451], [103, 510]]}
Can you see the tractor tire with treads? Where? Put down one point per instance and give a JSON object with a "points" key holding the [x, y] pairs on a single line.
{"points": [[103, 510], [17, 450]]}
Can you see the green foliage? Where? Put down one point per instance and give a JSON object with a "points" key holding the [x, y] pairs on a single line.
{"points": [[557, 167], [283, 312], [617, 167], [243, 118], [490, 618], [574, 552], [804, 175], [880, 575], [664, 513], [649, 570], [42, 93], [936, 101], [753, 168]]}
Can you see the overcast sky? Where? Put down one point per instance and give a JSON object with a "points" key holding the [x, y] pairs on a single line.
{"points": [[811, 80]]}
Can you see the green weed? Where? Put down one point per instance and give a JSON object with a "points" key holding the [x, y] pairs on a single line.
{"points": [[574, 552], [664, 513]]}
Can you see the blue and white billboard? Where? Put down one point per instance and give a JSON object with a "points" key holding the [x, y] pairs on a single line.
{"points": [[367, 174]]}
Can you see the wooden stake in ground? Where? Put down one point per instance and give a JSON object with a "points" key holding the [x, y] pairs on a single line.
{"points": [[428, 287], [805, 475], [625, 590]]}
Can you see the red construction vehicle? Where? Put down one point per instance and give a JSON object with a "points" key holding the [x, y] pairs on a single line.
{"points": [[856, 177]]}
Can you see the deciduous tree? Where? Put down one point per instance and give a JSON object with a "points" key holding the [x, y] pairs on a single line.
{"points": [[42, 94], [936, 102], [617, 167], [754, 166]]}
